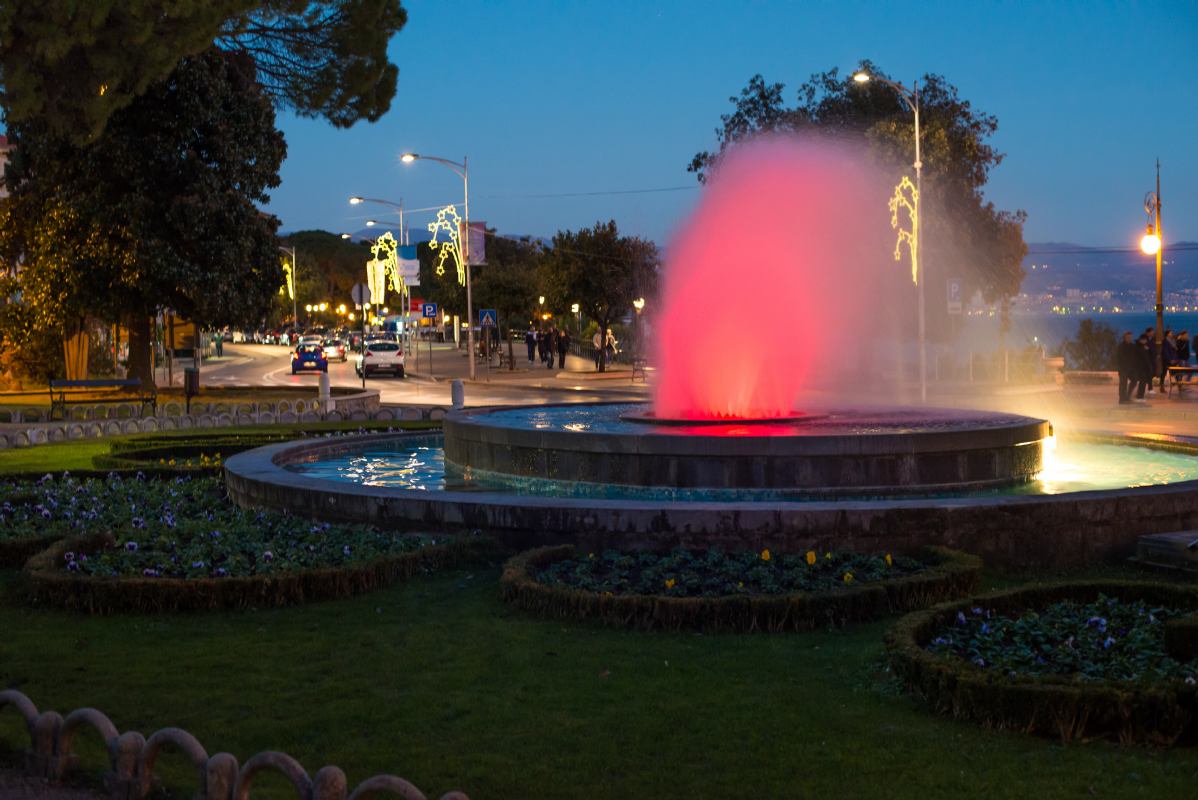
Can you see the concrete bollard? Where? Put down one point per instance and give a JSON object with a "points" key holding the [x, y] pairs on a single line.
{"points": [[457, 393], [326, 401]]}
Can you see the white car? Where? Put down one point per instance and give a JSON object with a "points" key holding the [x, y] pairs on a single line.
{"points": [[334, 350], [380, 356]]}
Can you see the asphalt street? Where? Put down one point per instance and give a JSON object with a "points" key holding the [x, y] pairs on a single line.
{"points": [[247, 365]]}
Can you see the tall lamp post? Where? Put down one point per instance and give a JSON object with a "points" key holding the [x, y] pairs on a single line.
{"points": [[294, 287], [370, 223], [911, 98], [462, 168], [1153, 244]]}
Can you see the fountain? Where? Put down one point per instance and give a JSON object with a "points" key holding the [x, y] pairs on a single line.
{"points": [[735, 450]]}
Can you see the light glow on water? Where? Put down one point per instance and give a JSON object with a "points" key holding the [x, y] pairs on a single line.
{"points": [[419, 465]]}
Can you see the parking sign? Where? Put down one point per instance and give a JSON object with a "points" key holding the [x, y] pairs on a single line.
{"points": [[428, 310]]}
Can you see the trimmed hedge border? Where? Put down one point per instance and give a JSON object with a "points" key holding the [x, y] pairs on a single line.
{"points": [[43, 582], [956, 574], [1160, 713]]}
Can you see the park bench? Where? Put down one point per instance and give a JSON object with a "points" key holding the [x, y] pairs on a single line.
{"points": [[65, 393], [638, 367], [1181, 377]]}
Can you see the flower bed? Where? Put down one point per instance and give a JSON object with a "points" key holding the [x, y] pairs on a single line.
{"points": [[148, 545], [1069, 660], [732, 592]]}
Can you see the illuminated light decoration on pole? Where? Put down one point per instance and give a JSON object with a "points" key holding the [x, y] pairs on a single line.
{"points": [[906, 198], [1152, 244], [449, 221]]}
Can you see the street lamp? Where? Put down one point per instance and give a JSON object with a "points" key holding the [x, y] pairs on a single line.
{"points": [[370, 223], [1153, 245], [911, 98], [463, 171]]}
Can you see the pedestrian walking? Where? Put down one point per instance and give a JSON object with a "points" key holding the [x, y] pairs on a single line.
{"points": [[597, 343], [1183, 349], [563, 347], [550, 347], [1127, 358], [530, 341]]}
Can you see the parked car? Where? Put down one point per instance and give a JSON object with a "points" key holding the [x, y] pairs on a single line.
{"points": [[309, 358], [334, 350], [381, 356]]}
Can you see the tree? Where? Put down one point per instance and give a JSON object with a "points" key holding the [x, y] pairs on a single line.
{"points": [[600, 270], [71, 66], [329, 266], [159, 212], [443, 289], [959, 227], [1093, 349], [507, 283]]}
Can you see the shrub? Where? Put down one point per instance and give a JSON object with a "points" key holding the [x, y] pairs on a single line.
{"points": [[944, 574], [1059, 705], [1093, 349]]}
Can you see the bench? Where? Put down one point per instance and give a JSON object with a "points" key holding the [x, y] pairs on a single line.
{"points": [[1181, 377], [65, 393], [638, 365]]}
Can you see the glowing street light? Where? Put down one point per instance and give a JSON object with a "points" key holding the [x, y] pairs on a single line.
{"points": [[292, 283], [463, 170], [911, 98], [1153, 245], [639, 304]]}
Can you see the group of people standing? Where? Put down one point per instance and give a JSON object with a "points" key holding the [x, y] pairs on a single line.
{"points": [[1136, 360], [547, 344]]}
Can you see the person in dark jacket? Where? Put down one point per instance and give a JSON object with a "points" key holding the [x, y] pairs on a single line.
{"points": [[1168, 356], [550, 347], [563, 347], [1144, 366], [1183, 349], [530, 341], [1127, 359]]}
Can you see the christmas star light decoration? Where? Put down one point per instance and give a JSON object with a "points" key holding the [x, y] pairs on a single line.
{"points": [[448, 221], [906, 198], [384, 264], [288, 287]]}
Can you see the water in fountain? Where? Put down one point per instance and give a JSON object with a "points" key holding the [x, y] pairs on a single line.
{"points": [[772, 281]]}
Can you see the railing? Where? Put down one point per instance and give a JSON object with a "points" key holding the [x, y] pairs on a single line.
{"points": [[131, 759]]}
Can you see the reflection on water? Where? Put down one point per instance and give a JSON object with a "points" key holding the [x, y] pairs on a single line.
{"points": [[419, 464]]}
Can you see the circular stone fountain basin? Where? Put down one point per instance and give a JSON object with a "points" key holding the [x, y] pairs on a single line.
{"points": [[1095, 497], [864, 451]]}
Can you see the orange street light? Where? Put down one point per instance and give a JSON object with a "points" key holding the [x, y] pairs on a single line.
{"points": [[1150, 243]]}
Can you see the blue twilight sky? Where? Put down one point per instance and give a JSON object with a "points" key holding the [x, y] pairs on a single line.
{"points": [[563, 96]]}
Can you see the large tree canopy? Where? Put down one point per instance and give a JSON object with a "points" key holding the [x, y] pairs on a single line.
{"points": [[159, 212], [963, 235], [71, 66], [600, 270]]}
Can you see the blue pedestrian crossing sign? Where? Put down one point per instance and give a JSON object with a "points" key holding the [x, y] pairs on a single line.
{"points": [[428, 310], [486, 317]]}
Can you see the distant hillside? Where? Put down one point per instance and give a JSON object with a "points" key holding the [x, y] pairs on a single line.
{"points": [[1057, 266]]}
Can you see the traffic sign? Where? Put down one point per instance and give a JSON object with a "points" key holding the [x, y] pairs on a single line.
{"points": [[428, 310], [954, 293], [486, 317], [360, 293]]}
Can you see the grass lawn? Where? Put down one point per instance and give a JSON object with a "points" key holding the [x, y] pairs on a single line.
{"points": [[439, 682], [77, 455]]}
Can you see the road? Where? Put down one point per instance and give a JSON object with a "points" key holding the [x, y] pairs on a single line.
{"points": [[249, 365]]}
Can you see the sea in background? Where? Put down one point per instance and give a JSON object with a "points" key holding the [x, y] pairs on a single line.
{"points": [[980, 333]]}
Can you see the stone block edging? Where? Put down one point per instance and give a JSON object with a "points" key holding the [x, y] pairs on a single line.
{"points": [[45, 583], [950, 574], [129, 774], [1159, 712]]}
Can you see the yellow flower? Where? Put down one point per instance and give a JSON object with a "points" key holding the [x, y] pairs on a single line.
{"points": [[889, 560], [669, 583], [810, 557], [740, 585], [591, 556], [848, 577], [828, 556], [171, 462], [765, 554]]}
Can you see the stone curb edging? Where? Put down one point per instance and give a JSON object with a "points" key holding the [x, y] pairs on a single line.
{"points": [[952, 574], [131, 759], [43, 582], [1159, 713], [85, 429]]}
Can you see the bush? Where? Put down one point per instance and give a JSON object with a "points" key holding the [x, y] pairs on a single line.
{"points": [[945, 574], [1159, 712]]}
